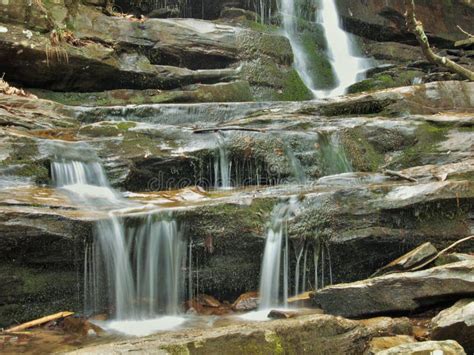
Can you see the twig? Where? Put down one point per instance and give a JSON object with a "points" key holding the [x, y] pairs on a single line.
{"points": [[217, 129], [416, 27], [465, 32], [399, 175], [37, 322], [442, 252]]}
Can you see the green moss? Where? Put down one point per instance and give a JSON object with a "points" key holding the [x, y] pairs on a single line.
{"points": [[274, 339], [318, 63], [125, 126], [24, 158], [29, 293], [238, 91], [260, 27], [361, 153], [294, 89], [385, 80], [428, 138]]}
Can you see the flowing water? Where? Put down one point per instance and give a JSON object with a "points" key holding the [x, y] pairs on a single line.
{"points": [[348, 68], [288, 10], [276, 256], [132, 272], [222, 164], [140, 266]]}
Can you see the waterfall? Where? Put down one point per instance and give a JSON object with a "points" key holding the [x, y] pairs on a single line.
{"points": [[222, 165], [133, 272], [346, 66], [276, 241], [288, 8], [141, 266], [333, 156]]}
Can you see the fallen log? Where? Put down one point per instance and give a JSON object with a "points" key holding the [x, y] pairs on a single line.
{"points": [[39, 321]]}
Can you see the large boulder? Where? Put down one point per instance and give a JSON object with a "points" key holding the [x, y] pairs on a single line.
{"points": [[404, 292], [457, 323]]}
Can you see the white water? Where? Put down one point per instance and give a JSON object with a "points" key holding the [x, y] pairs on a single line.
{"points": [[85, 181], [347, 67], [300, 56], [222, 165], [132, 272], [141, 267], [277, 239]]}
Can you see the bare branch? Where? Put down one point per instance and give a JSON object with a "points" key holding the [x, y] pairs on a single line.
{"points": [[417, 28]]}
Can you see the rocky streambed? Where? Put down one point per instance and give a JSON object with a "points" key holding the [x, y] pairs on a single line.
{"points": [[375, 175]]}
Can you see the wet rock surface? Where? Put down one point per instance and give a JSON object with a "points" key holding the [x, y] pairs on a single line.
{"points": [[369, 214]]}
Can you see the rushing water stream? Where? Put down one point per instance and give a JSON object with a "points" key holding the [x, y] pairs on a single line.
{"points": [[347, 67]]}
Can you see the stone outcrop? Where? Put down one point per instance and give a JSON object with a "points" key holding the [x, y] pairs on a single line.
{"points": [[413, 290], [177, 56], [456, 323]]}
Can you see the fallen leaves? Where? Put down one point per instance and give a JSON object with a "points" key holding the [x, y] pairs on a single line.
{"points": [[6, 89]]}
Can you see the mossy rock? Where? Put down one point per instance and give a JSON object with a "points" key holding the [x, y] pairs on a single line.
{"points": [[318, 63], [25, 160], [293, 88], [386, 80]]}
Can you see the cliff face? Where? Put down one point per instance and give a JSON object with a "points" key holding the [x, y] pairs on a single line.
{"points": [[74, 47], [180, 59]]}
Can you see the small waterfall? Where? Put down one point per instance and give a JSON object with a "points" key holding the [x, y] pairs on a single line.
{"points": [[76, 169], [141, 267], [132, 272], [277, 239], [288, 10], [333, 156], [222, 165], [347, 67]]}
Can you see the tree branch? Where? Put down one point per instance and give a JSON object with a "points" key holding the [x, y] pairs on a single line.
{"points": [[417, 28]]}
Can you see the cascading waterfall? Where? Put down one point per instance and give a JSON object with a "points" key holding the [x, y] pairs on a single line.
{"points": [[141, 267], [288, 8], [347, 67], [276, 241], [133, 272]]}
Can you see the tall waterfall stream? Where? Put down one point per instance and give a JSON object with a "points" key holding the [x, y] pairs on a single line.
{"points": [[348, 68]]}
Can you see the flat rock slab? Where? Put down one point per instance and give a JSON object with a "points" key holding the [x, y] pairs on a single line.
{"points": [[404, 292], [448, 347], [316, 334], [457, 323]]}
